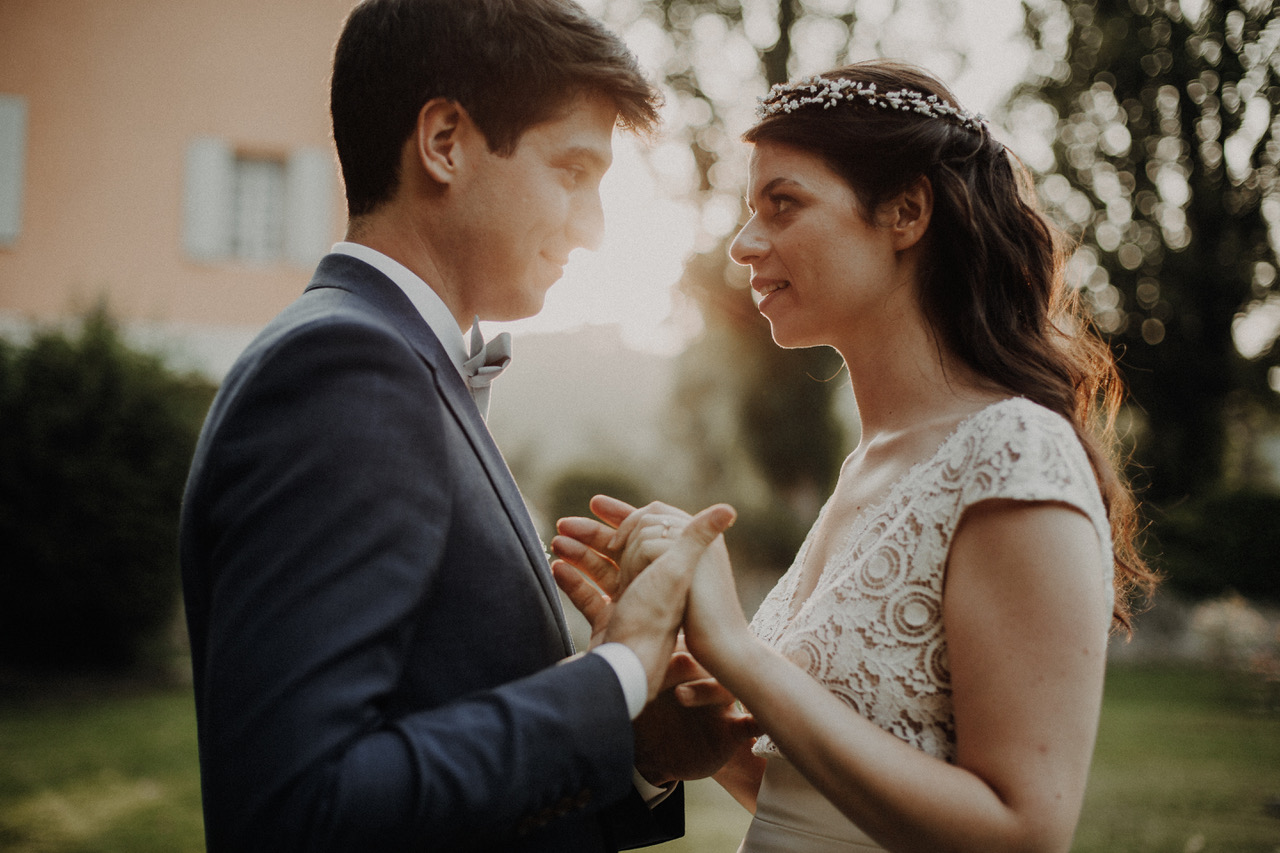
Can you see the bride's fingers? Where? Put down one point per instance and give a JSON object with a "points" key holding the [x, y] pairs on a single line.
{"points": [[671, 574], [590, 601], [588, 561], [672, 518], [648, 541]]}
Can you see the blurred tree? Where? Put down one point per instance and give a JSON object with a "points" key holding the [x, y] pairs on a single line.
{"points": [[95, 442], [717, 57], [1163, 164]]}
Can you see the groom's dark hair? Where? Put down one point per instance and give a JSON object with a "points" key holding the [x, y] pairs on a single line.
{"points": [[510, 64]]}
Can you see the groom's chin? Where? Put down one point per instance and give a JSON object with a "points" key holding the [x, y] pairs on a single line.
{"points": [[530, 305]]}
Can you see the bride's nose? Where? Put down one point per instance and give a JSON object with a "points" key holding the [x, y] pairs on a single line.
{"points": [[750, 245]]}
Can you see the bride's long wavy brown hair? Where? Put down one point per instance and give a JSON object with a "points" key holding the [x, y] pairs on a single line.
{"points": [[993, 289]]}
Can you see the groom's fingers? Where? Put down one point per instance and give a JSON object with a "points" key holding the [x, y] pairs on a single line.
{"points": [[704, 527], [589, 532], [589, 601], [588, 561], [611, 510]]}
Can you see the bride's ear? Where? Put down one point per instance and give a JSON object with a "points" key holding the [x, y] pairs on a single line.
{"points": [[909, 213]]}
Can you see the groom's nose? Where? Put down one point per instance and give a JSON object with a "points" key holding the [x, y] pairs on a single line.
{"points": [[586, 222]]}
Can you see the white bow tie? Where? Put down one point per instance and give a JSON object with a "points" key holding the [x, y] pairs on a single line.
{"points": [[485, 363]]}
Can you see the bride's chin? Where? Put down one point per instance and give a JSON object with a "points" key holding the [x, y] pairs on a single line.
{"points": [[786, 338]]}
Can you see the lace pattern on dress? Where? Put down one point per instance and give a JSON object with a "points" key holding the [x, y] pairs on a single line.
{"points": [[871, 630]]}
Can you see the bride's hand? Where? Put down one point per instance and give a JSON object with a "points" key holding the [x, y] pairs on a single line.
{"points": [[715, 627], [613, 550]]}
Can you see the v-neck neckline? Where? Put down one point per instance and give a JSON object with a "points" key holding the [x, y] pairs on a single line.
{"points": [[847, 536]]}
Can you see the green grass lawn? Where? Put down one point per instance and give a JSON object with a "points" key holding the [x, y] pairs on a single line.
{"points": [[1186, 763], [98, 770]]}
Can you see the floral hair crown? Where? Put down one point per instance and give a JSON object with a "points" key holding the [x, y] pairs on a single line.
{"points": [[827, 93]]}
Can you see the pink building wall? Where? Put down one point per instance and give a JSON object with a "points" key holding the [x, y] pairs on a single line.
{"points": [[116, 90]]}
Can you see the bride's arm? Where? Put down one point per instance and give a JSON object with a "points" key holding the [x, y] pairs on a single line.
{"points": [[741, 776], [1026, 614]]}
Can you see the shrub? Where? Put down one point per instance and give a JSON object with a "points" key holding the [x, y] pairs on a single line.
{"points": [[95, 442], [572, 491], [1228, 541]]}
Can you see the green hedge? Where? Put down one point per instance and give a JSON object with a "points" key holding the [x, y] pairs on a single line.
{"points": [[95, 442]]}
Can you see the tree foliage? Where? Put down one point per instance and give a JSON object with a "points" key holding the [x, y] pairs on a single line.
{"points": [[1165, 145], [1226, 541], [95, 442]]}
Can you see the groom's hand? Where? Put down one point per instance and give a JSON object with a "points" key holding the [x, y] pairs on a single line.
{"points": [[691, 728], [648, 614]]}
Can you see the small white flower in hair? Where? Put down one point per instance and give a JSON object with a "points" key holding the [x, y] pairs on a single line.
{"points": [[820, 91]]}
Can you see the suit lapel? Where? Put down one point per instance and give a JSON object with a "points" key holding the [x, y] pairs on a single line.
{"points": [[356, 277]]}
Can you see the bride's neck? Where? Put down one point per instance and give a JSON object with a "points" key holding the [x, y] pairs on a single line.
{"points": [[908, 380]]}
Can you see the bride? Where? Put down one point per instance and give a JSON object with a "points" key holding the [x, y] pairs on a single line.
{"points": [[928, 673]]}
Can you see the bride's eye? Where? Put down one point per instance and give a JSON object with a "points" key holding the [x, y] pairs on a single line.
{"points": [[781, 203]]}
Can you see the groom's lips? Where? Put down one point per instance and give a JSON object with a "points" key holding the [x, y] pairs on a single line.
{"points": [[557, 265]]}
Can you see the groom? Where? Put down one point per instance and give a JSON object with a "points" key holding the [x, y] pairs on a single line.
{"points": [[379, 655]]}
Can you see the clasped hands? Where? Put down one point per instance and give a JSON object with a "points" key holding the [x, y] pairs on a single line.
{"points": [[654, 571]]}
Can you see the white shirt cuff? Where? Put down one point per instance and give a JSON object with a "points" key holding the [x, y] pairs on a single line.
{"points": [[650, 793], [630, 671]]}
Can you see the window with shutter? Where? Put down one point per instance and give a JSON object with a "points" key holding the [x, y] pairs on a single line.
{"points": [[13, 149], [256, 208]]}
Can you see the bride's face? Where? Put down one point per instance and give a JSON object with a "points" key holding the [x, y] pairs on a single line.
{"points": [[820, 270]]}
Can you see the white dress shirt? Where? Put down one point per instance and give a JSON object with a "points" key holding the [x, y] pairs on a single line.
{"points": [[626, 664]]}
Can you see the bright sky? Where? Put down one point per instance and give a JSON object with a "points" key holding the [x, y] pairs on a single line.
{"points": [[650, 231]]}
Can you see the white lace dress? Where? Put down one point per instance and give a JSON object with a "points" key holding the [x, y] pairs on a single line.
{"points": [[871, 630]]}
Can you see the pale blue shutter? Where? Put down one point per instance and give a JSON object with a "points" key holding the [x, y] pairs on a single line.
{"points": [[13, 144], [208, 206], [309, 206]]}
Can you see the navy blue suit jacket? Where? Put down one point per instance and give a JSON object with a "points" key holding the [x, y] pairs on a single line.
{"points": [[374, 630]]}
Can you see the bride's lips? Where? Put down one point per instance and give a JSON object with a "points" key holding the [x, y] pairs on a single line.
{"points": [[766, 287]]}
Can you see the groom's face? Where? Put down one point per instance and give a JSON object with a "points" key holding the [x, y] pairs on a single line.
{"points": [[527, 211]]}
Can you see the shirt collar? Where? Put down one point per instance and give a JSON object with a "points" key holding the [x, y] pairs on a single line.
{"points": [[429, 304]]}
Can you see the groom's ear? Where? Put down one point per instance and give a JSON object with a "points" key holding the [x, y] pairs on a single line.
{"points": [[437, 139]]}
